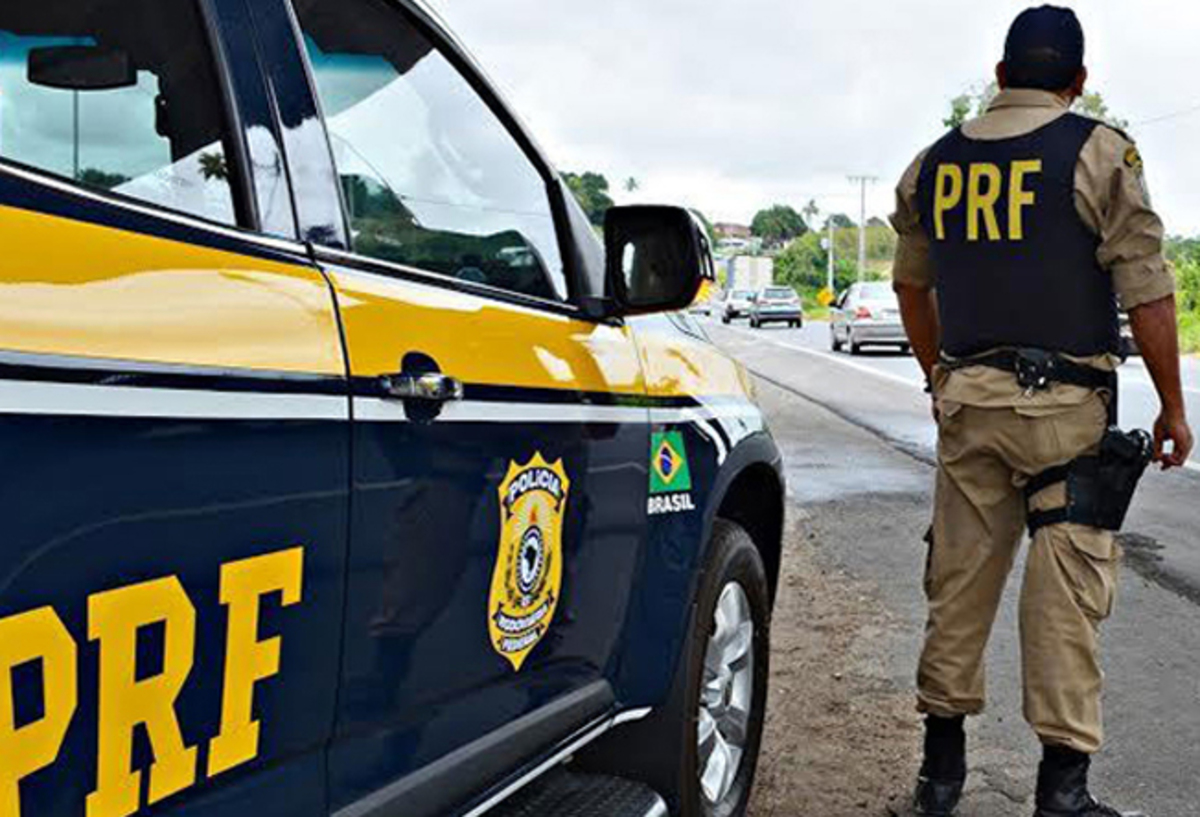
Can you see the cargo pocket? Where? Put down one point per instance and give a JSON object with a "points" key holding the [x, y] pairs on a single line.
{"points": [[1090, 559], [949, 425], [948, 410], [1075, 431]]}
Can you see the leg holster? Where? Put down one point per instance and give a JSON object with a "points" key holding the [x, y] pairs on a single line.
{"points": [[1100, 487]]}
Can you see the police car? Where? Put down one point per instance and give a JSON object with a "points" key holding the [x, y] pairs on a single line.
{"points": [[344, 472]]}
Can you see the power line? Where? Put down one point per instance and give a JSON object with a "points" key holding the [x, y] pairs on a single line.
{"points": [[1167, 117]]}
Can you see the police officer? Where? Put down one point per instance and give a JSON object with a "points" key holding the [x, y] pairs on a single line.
{"points": [[1020, 233]]}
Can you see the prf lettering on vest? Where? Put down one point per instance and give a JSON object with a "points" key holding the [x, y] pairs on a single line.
{"points": [[983, 186], [128, 699]]}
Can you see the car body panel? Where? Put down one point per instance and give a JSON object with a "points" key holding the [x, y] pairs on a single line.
{"points": [[159, 300], [462, 331], [201, 401], [177, 390], [721, 430], [420, 674]]}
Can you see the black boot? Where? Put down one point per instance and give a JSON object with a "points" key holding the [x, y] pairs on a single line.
{"points": [[944, 771], [1062, 789]]}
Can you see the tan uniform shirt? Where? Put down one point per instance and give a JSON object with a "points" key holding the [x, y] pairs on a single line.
{"points": [[1111, 197]]}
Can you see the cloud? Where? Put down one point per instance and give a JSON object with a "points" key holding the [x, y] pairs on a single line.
{"points": [[733, 106]]}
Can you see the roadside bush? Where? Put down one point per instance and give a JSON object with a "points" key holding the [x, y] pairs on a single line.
{"points": [[1185, 257], [1187, 279], [1189, 332], [804, 264]]}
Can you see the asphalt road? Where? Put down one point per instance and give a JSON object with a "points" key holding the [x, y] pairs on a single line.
{"points": [[882, 391], [1139, 403], [857, 439]]}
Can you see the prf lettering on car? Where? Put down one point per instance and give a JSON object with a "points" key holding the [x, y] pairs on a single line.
{"points": [[984, 185], [128, 699]]}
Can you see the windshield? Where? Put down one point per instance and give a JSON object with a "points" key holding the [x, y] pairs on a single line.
{"points": [[739, 295]]}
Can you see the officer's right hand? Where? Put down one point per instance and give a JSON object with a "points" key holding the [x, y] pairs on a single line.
{"points": [[1173, 428]]}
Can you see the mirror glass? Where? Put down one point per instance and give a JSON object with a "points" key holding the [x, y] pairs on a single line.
{"points": [[81, 68], [654, 257]]}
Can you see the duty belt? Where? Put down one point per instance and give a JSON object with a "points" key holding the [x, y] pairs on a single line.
{"points": [[1037, 369]]}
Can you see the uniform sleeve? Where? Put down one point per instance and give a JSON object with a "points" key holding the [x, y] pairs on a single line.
{"points": [[1113, 201], [913, 265]]}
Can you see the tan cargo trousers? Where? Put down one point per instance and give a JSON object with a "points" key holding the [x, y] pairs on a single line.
{"points": [[986, 456]]}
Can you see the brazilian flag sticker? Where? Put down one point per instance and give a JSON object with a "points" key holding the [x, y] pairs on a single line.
{"points": [[669, 472]]}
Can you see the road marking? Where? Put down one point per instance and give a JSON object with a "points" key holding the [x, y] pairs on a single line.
{"points": [[1137, 366], [833, 358], [850, 364]]}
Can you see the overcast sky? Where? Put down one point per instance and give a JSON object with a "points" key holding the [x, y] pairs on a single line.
{"points": [[736, 105]]}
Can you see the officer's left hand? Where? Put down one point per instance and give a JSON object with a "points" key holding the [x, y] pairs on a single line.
{"points": [[1176, 430]]}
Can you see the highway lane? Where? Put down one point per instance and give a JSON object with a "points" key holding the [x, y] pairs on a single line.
{"points": [[1151, 645], [1139, 402], [883, 393]]}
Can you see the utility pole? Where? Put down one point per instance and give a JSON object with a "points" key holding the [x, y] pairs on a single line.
{"points": [[862, 182], [830, 283]]}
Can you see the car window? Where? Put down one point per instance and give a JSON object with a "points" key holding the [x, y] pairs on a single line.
{"points": [[431, 178], [779, 294], [121, 101]]}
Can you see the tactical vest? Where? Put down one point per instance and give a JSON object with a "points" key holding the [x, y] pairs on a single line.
{"points": [[1015, 264]]}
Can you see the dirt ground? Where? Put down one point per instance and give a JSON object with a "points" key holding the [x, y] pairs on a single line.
{"points": [[841, 738]]}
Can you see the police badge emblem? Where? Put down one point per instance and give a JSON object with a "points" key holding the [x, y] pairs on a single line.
{"points": [[527, 579]]}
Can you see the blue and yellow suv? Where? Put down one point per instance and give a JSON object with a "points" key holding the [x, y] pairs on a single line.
{"points": [[343, 471]]}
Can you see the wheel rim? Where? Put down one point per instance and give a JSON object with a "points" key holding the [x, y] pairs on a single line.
{"points": [[726, 694]]}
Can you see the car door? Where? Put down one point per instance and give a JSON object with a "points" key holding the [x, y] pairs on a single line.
{"points": [[174, 424], [500, 449]]}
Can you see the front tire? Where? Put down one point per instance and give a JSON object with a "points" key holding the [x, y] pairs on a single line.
{"points": [[671, 749], [721, 705], [834, 343]]}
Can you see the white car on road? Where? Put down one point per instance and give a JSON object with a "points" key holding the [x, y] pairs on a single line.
{"points": [[737, 304]]}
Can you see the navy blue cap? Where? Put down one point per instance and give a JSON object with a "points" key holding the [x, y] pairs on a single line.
{"points": [[1044, 49]]}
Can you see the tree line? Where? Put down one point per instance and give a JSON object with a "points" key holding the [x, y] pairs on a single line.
{"points": [[1184, 256]]}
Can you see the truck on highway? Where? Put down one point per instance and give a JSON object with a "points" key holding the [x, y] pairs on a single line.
{"points": [[750, 273]]}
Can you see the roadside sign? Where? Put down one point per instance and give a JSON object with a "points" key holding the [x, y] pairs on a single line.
{"points": [[825, 297]]}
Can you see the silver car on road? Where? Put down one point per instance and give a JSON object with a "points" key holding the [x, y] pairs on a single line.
{"points": [[867, 314], [777, 305]]}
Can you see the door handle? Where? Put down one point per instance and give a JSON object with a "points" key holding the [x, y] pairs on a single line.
{"points": [[431, 387]]}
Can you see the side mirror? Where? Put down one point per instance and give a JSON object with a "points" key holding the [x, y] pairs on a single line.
{"points": [[81, 68], [657, 258]]}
